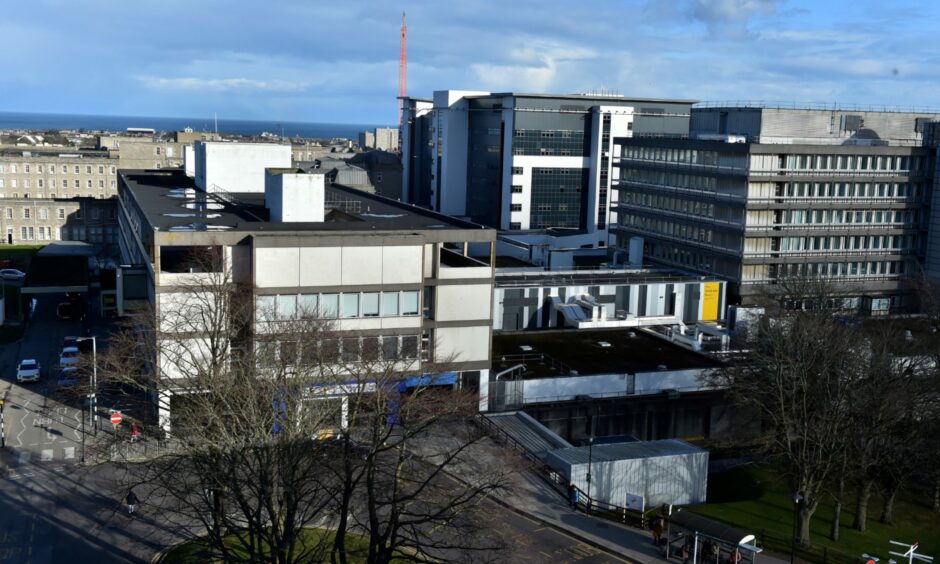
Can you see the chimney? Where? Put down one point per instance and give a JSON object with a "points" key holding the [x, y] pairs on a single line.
{"points": [[293, 196]]}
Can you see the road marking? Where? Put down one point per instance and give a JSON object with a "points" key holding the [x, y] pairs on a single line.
{"points": [[46, 454], [24, 456], [69, 453]]}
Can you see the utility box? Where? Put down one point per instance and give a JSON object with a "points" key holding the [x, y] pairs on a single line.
{"points": [[660, 472]]}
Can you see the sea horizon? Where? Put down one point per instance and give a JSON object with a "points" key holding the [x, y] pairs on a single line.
{"points": [[40, 121]]}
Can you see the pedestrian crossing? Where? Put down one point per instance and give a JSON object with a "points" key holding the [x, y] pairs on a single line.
{"points": [[56, 454]]}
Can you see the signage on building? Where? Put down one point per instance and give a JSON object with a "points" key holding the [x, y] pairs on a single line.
{"points": [[710, 300]]}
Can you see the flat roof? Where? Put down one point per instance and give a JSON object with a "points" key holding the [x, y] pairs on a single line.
{"points": [[171, 202], [580, 350], [615, 98], [626, 451]]}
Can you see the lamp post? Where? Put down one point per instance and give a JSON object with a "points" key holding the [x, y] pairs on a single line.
{"points": [[593, 415], [797, 502], [92, 397]]}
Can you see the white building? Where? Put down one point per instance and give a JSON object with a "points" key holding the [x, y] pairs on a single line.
{"points": [[383, 269]]}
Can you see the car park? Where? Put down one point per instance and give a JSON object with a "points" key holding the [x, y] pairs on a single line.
{"points": [[69, 356], [12, 274], [27, 371]]}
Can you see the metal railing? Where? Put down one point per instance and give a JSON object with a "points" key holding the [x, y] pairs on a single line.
{"points": [[540, 357], [835, 106]]}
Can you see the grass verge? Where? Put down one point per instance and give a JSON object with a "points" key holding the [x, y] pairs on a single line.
{"points": [[757, 499]]}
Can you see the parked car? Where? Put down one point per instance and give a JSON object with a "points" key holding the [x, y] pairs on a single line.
{"points": [[68, 376], [69, 342], [69, 356], [12, 274], [27, 371]]}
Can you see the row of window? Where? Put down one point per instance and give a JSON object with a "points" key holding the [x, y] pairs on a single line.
{"points": [[852, 162], [681, 205], [45, 233], [344, 305], [671, 228], [349, 349], [52, 169], [840, 269], [849, 243], [687, 156], [852, 190], [52, 183], [671, 179], [44, 213], [839, 217]]}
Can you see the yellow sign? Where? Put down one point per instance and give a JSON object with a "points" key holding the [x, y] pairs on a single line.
{"points": [[710, 300]]}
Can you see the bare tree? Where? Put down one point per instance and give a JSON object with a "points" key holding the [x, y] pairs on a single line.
{"points": [[282, 423], [798, 377]]}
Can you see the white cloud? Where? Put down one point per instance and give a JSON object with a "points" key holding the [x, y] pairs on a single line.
{"points": [[195, 84]]}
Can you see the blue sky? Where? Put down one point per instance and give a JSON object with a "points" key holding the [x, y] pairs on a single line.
{"points": [[337, 61]]}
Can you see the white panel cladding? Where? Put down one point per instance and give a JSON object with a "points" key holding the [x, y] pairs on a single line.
{"points": [[293, 197], [376, 323], [464, 301], [320, 266], [462, 344], [237, 167], [361, 265], [459, 273], [402, 265], [429, 255], [277, 267]]}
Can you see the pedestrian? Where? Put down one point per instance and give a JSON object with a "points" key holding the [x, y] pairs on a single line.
{"points": [[715, 551], [573, 496], [735, 557], [132, 501], [657, 529], [135, 434]]}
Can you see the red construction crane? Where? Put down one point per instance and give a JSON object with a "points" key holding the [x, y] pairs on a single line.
{"points": [[402, 69]]}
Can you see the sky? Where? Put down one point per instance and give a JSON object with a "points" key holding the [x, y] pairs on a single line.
{"points": [[337, 61]]}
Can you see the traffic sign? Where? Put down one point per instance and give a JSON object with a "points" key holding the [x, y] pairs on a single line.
{"points": [[116, 418]]}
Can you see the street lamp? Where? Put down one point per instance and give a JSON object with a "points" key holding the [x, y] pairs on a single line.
{"points": [[92, 397], [797, 503]]}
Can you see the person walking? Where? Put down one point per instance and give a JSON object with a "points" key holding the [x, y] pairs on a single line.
{"points": [[135, 434], [132, 501], [657, 529], [572, 496]]}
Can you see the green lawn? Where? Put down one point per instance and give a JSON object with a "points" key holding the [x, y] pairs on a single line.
{"points": [[756, 499], [319, 540]]}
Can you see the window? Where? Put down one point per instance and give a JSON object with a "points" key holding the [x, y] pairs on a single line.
{"points": [[43, 213], [329, 305], [26, 183], [389, 303], [515, 225], [12, 183], [265, 306], [100, 169], [1, 183], [112, 170], [78, 183], [101, 184], [39, 183], [77, 169], [515, 207], [517, 170], [350, 305], [307, 306], [13, 168], [65, 169], [409, 303], [286, 307], [370, 304], [25, 168], [409, 346], [23, 233], [516, 189], [9, 213], [389, 348], [88, 183], [25, 213], [61, 213], [87, 169]]}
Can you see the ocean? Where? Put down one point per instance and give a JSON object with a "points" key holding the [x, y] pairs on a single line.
{"points": [[10, 120]]}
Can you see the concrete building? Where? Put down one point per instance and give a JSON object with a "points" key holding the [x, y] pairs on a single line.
{"points": [[366, 140], [222, 167], [385, 270], [384, 170], [386, 139], [526, 164], [144, 151], [759, 194], [38, 221]]}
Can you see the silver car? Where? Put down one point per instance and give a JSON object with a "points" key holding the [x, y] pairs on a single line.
{"points": [[27, 371]]}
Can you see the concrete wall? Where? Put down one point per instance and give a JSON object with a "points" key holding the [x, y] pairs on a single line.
{"points": [[292, 197], [289, 267], [463, 301], [237, 167], [462, 344]]}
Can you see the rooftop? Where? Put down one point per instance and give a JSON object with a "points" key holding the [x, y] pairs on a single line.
{"points": [[626, 451], [54, 152], [830, 106], [556, 353], [171, 202]]}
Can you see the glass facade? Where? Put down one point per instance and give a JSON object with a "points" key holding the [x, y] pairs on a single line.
{"points": [[558, 197], [558, 142]]}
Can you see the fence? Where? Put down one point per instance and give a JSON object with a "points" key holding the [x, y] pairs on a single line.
{"points": [[782, 544]]}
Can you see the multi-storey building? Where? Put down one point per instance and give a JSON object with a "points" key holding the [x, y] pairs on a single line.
{"points": [[759, 194], [386, 271], [526, 163], [385, 138], [38, 221]]}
